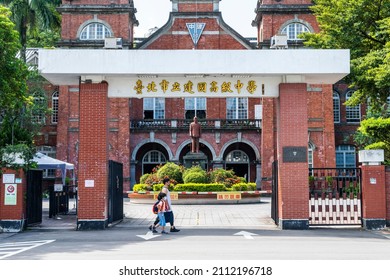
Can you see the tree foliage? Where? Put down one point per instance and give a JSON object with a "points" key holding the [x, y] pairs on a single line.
{"points": [[17, 106], [363, 26], [32, 17], [13, 75]]}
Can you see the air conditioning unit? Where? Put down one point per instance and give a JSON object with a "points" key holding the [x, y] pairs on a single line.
{"points": [[112, 43], [279, 42]]}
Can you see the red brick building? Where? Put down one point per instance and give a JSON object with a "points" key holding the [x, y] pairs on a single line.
{"points": [[238, 133]]}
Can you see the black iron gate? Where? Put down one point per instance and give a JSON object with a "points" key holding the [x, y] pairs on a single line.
{"points": [[115, 191], [34, 197], [274, 197]]}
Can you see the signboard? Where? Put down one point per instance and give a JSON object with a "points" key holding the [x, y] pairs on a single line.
{"points": [[10, 196], [174, 196], [228, 196], [89, 183], [58, 187], [8, 178], [294, 154], [193, 86]]}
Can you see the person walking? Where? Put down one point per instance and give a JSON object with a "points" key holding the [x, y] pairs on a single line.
{"points": [[162, 206], [195, 134], [169, 217]]}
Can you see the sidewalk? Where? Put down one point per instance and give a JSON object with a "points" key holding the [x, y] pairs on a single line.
{"points": [[140, 215]]}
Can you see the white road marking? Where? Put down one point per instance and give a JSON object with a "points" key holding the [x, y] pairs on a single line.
{"points": [[10, 249]]}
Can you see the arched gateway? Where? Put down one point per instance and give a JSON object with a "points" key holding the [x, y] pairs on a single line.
{"points": [[280, 74]]}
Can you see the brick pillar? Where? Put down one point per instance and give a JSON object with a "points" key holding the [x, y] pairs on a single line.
{"points": [[93, 157], [267, 142], [374, 196], [292, 142], [13, 216]]}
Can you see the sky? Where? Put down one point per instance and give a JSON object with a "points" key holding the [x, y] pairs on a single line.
{"points": [[155, 13]]}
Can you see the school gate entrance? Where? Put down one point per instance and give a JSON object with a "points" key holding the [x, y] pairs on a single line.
{"points": [[281, 74]]}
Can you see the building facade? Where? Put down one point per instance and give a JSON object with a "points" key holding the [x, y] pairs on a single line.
{"points": [[239, 133]]}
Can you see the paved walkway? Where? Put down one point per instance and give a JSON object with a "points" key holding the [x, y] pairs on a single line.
{"points": [[140, 215]]}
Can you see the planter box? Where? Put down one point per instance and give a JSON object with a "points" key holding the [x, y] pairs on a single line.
{"points": [[200, 198]]}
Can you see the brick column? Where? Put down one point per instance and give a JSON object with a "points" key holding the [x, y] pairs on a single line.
{"points": [[93, 157], [292, 142], [374, 196], [267, 141], [13, 217]]}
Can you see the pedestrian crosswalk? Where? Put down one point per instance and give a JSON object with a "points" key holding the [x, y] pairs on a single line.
{"points": [[10, 249]]}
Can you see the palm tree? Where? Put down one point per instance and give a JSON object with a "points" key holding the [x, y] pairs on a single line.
{"points": [[29, 14]]}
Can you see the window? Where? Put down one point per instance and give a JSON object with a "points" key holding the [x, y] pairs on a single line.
{"points": [[95, 31], [352, 112], [50, 152], [154, 108], [294, 29], [38, 111], [156, 157], [151, 160], [237, 108], [54, 107], [237, 157], [195, 106], [345, 156], [310, 158], [336, 107]]}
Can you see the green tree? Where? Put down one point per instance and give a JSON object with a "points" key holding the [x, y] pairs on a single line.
{"points": [[363, 26], [14, 97], [30, 16], [13, 76], [375, 132]]}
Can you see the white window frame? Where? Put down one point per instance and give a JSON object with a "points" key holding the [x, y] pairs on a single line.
{"points": [[236, 113], [95, 31], [156, 101], [148, 156], [54, 107], [345, 151], [237, 156], [336, 107], [293, 29], [352, 113], [40, 117], [310, 158], [200, 104]]}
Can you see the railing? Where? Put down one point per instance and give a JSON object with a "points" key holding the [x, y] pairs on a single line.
{"points": [[183, 124], [335, 196], [335, 181]]}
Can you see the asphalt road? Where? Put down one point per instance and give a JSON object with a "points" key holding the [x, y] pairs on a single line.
{"points": [[213, 238]]}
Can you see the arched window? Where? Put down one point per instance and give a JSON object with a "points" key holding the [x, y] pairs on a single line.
{"points": [[294, 29], [238, 161], [336, 107], [237, 156], [352, 112], [151, 159], [95, 31], [54, 107]]}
